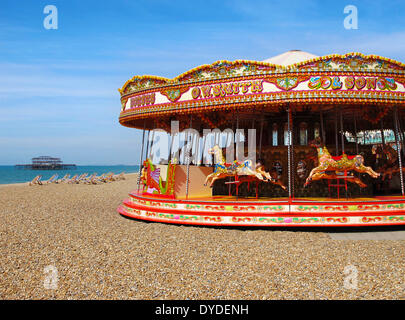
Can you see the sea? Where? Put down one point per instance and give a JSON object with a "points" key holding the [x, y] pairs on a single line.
{"points": [[10, 174]]}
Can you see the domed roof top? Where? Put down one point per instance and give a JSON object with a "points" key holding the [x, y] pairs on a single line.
{"points": [[290, 57]]}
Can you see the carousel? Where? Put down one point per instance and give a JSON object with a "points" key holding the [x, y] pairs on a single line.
{"points": [[294, 140]]}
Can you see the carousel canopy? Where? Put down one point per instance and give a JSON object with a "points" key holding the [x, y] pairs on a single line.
{"points": [[214, 92], [290, 57]]}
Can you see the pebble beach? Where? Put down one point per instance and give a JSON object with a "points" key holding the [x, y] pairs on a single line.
{"points": [[74, 232]]}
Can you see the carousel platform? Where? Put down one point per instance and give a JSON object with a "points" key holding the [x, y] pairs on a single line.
{"points": [[266, 212]]}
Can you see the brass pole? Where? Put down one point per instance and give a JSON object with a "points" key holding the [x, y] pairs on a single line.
{"points": [[188, 150], [141, 156]]}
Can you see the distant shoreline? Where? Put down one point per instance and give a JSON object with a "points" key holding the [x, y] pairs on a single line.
{"points": [[26, 183], [13, 175], [14, 184]]}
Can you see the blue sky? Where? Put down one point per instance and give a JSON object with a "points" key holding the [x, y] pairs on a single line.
{"points": [[58, 88]]}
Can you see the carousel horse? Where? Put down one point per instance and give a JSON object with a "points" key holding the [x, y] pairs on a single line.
{"points": [[151, 179], [245, 168], [392, 165], [388, 174], [273, 179], [339, 165]]}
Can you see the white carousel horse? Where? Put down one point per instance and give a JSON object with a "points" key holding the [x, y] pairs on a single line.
{"points": [[245, 168]]}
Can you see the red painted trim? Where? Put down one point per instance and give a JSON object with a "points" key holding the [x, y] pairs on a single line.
{"points": [[198, 212], [236, 213], [213, 202], [386, 201], [124, 213]]}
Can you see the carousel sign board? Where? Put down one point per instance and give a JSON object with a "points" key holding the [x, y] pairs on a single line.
{"points": [[351, 82]]}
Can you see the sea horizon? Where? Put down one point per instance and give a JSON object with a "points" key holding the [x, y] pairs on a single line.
{"points": [[11, 174]]}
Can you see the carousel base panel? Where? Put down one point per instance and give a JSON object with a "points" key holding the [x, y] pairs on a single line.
{"points": [[265, 212]]}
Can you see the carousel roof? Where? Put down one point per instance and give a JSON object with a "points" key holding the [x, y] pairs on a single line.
{"points": [[296, 77], [290, 57]]}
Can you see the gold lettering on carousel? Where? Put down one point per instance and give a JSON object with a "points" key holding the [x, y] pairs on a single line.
{"points": [[386, 84], [349, 82], [216, 90], [142, 100], [228, 88], [336, 83], [206, 91], [235, 87], [225, 89], [323, 82], [360, 83], [371, 82], [196, 92], [381, 83], [245, 86], [257, 86]]}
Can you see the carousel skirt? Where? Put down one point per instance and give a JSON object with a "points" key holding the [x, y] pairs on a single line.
{"points": [[267, 212]]}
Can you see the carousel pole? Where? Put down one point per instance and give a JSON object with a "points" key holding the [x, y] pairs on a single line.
{"points": [[152, 141], [169, 156], [398, 148], [148, 140], [343, 145], [341, 131], [292, 152], [253, 125], [141, 157], [188, 151], [261, 135], [172, 138], [401, 135], [229, 179], [289, 150], [355, 137], [204, 139], [382, 132], [233, 132], [237, 149], [237, 135], [322, 126], [336, 134], [147, 144], [355, 133]]}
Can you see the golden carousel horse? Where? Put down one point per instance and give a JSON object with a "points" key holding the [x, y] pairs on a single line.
{"points": [[338, 165], [245, 169]]}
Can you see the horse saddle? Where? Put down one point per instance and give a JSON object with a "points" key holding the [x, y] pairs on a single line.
{"points": [[337, 158]]}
